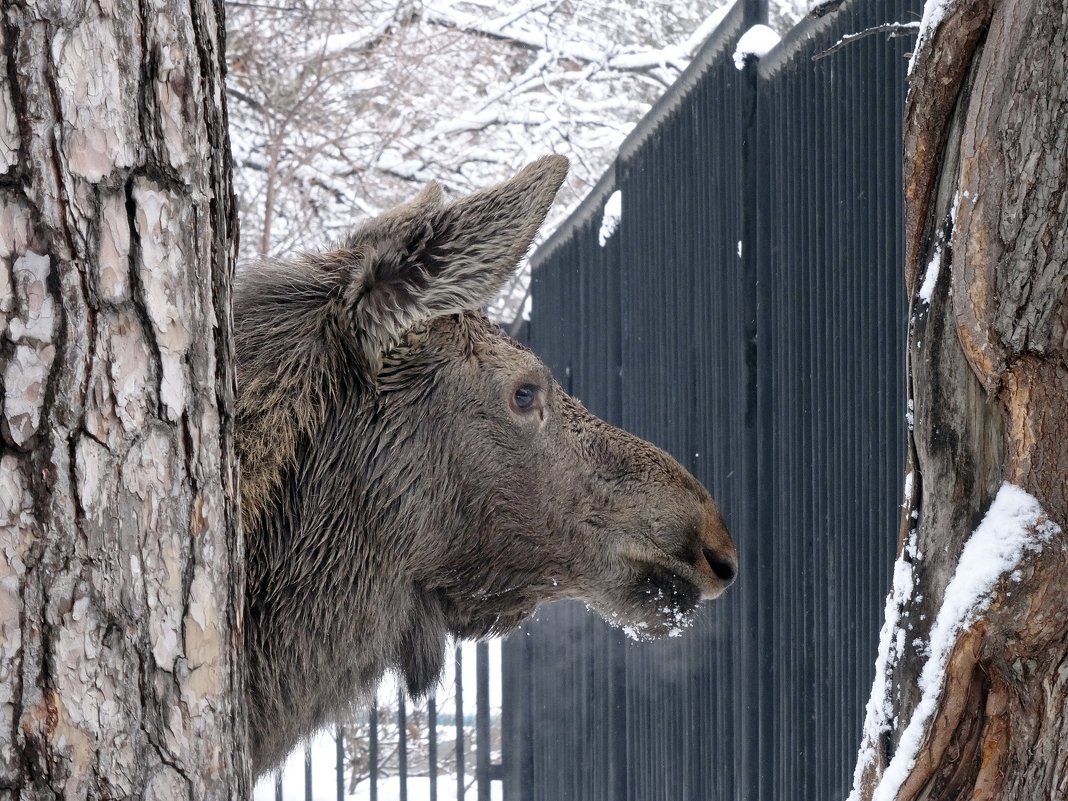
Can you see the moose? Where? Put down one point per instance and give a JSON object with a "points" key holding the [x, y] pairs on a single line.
{"points": [[409, 473]]}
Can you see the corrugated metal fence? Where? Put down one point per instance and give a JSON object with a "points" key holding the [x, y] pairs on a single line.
{"points": [[747, 315]]}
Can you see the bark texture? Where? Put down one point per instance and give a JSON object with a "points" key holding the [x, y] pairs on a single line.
{"points": [[120, 560], [986, 181]]}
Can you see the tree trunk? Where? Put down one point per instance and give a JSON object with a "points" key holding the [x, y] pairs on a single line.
{"points": [[971, 692], [121, 563]]}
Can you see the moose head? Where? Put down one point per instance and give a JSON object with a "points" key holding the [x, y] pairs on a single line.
{"points": [[410, 473]]}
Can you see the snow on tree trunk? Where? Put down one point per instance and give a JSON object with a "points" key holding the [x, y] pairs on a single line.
{"points": [[971, 691], [120, 561]]}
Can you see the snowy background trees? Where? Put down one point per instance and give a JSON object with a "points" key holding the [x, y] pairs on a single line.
{"points": [[341, 110]]}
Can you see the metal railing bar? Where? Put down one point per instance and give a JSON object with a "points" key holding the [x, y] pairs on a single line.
{"points": [[482, 721], [402, 745], [372, 751], [307, 772], [459, 726], [432, 756], [339, 770]]}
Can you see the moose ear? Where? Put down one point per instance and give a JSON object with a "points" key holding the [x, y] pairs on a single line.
{"points": [[426, 259]]}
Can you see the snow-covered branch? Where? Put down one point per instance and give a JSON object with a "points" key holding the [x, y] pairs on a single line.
{"points": [[376, 99]]}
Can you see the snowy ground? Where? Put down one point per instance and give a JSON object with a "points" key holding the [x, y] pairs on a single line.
{"points": [[324, 753], [324, 782]]}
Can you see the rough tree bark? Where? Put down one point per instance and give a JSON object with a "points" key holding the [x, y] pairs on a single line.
{"points": [[983, 712], [120, 560]]}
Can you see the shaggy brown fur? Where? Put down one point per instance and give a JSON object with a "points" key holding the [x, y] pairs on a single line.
{"points": [[410, 473]]}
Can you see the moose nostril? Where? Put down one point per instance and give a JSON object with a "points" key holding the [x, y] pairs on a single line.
{"points": [[724, 567]]}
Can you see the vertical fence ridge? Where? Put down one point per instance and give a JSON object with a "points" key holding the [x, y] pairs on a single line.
{"points": [[747, 315]]}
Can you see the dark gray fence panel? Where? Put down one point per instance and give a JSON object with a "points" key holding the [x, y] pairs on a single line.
{"points": [[774, 371]]}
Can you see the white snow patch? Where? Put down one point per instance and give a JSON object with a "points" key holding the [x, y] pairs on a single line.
{"points": [[934, 11], [930, 278], [1014, 526], [613, 215], [756, 43], [908, 484], [879, 712]]}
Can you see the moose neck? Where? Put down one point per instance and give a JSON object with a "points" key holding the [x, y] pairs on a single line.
{"points": [[372, 519]]}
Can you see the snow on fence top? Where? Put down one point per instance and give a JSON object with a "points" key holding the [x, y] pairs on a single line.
{"points": [[613, 213], [756, 42]]}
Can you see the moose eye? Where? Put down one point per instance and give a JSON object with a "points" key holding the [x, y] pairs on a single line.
{"points": [[525, 397]]}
